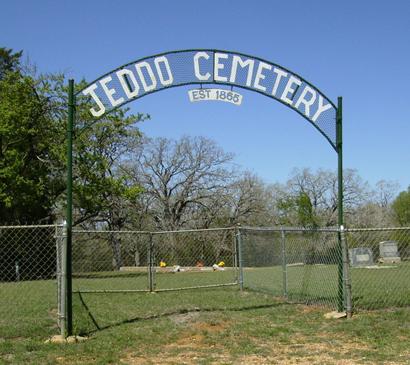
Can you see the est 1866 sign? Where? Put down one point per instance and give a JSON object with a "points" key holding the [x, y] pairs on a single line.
{"points": [[227, 96], [202, 67]]}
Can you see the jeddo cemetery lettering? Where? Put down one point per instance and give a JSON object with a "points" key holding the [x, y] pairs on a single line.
{"points": [[205, 67]]}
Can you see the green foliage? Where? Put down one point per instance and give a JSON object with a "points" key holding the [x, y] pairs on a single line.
{"points": [[9, 61], [29, 182], [99, 146], [401, 208], [33, 149], [306, 215]]}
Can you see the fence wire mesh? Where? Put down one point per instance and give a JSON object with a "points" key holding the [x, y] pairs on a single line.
{"points": [[106, 261], [110, 261], [379, 267], [28, 271], [205, 257], [298, 265], [107, 265]]}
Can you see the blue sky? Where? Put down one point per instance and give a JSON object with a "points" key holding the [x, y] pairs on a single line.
{"points": [[356, 49]]}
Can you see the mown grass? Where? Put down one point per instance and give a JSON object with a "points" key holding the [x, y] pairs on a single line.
{"points": [[378, 287], [207, 326]]}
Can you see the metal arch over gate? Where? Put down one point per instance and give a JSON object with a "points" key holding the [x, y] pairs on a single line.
{"points": [[148, 75]]}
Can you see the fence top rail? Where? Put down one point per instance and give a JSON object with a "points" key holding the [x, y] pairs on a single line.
{"points": [[377, 229], [243, 228], [289, 229], [154, 232], [33, 226], [107, 231], [196, 230]]}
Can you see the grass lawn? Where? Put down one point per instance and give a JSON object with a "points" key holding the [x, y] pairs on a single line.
{"points": [[208, 326], [378, 287]]}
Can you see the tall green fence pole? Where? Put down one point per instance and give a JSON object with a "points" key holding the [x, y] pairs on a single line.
{"points": [[339, 145], [284, 265], [69, 286], [240, 257]]}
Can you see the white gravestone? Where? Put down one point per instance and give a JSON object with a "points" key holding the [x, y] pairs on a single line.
{"points": [[389, 252], [361, 256]]}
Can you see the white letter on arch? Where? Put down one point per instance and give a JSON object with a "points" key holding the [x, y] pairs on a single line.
{"points": [[124, 73], [110, 92], [139, 66], [306, 102], [236, 60], [164, 61], [219, 66], [198, 74], [91, 91]]}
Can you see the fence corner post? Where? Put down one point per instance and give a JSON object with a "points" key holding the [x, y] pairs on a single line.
{"points": [[284, 264], [151, 261], [62, 277], [240, 259], [346, 274]]}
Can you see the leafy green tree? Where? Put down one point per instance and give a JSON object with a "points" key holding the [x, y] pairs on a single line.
{"points": [[306, 216], [99, 146], [9, 61], [28, 136], [401, 208], [33, 117]]}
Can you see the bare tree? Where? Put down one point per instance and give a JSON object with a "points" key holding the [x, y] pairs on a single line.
{"points": [[321, 190], [248, 200], [385, 192], [179, 177]]}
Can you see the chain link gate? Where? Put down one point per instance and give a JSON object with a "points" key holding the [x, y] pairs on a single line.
{"points": [[131, 261]]}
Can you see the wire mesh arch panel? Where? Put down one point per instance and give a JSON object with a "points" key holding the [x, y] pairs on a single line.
{"points": [[209, 66]]}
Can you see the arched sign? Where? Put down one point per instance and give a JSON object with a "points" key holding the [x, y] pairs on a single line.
{"points": [[202, 67]]}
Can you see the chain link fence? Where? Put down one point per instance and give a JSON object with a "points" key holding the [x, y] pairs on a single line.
{"points": [[306, 265], [113, 270], [379, 267], [131, 261], [298, 265], [28, 271]]}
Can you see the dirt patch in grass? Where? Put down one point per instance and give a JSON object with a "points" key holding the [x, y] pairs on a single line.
{"points": [[189, 347], [309, 308], [192, 348], [184, 318]]}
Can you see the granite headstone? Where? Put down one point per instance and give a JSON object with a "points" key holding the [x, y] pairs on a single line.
{"points": [[361, 256], [389, 252]]}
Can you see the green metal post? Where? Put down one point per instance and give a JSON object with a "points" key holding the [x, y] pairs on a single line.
{"points": [[339, 145], [284, 265], [69, 287], [240, 258], [151, 268]]}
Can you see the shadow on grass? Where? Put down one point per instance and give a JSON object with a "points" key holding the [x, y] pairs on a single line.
{"points": [[166, 314]]}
